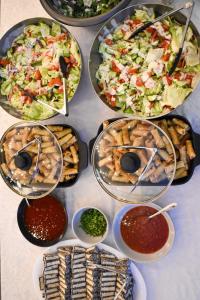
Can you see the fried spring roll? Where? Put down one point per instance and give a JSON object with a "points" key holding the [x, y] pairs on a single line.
{"points": [[181, 123], [180, 173], [105, 124], [105, 161], [190, 149], [47, 144], [124, 179], [167, 145], [157, 138], [117, 136], [174, 136], [69, 143], [180, 130], [55, 128], [109, 138], [51, 149], [74, 154], [125, 136], [65, 139], [61, 134], [130, 125], [71, 171], [183, 156], [165, 155], [180, 164]]}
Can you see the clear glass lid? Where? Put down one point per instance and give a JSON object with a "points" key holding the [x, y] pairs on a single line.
{"points": [[30, 159], [134, 160]]}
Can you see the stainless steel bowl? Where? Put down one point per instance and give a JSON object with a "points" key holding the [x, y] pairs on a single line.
{"points": [[6, 42], [50, 8], [95, 57]]}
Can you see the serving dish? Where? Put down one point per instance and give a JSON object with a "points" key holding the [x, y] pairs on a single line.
{"points": [[46, 84], [136, 256], [140, 292], [32, 158], [21, 220], [81, 234], [195, 137], [130, 158], [51, 8], [117, 100]]}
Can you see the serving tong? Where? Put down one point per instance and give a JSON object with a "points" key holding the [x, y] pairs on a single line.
{"points": [[153, 153], [65, 109], [187, 5]]}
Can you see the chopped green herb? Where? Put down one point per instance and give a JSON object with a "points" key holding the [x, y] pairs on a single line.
{"points": [[93, 222]]}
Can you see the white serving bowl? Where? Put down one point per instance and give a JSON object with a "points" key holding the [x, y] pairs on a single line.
{"points": [[81, 234], [134, 255]]}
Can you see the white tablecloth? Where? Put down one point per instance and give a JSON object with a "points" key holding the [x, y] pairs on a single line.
{"points": [[174, 277]]}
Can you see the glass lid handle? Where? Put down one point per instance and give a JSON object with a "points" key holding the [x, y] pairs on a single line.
{"points": [[130, 162]]}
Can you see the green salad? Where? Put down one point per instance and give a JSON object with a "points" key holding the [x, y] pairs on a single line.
{"points": [[93, 222], [30, 71], [133, 76], [85, 8]]}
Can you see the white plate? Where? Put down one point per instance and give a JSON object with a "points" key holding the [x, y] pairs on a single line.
{"points": [[136, 256], [140, 292]]}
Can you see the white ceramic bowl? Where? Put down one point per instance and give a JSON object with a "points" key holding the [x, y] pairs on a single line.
{"points": [[80, 233], [136, 256]]}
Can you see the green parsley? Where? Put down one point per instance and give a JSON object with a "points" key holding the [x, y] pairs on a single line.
{"points": [[93, 222]]}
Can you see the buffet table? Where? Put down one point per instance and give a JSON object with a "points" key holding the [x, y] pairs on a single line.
{"points": [[175, 276]]}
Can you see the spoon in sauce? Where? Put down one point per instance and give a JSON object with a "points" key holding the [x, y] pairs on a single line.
{"points": [[144, 219]]}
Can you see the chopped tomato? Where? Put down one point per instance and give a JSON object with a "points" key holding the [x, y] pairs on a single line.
{"points": [[154, 36], [4, 61], [108, 42], [165, 44], [55, 81], [60, 90], [121, 80], [139, 81], [166, 57], [189, 78], [28, 100], [37, 75], [54, 68], [123, 51], [177, 75], [71, 60], [132, 71], [150, 30], [115, 68], [53, 39], [134, 23], [169, 79]]}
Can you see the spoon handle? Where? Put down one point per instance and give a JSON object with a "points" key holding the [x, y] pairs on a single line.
{"points": [[164, 209]]}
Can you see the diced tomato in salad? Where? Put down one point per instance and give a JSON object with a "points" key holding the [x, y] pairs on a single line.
{"points": [[169, 79], [108, 41], [139, 81], [115, 68], [4, 61], [53, 39], [123, 51], [165, 44], [37, 75], [71, 60], [166, 57], [55, 81], [132, 71]]}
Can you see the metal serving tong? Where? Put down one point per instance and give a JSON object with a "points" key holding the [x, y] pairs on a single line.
{"points": [[187, 5], [153, 153], [65, 109]]}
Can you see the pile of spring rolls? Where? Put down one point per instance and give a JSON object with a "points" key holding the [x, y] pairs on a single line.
{"points": [[68, 142], [75, 273], [140, 133], [179, 132], [18, 138]]}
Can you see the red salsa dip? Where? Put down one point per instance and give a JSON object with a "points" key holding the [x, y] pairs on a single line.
{"points": [[45, 218], [142, 234]]}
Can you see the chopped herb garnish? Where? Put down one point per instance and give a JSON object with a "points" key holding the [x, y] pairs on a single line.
{"points": [[93, 222]]}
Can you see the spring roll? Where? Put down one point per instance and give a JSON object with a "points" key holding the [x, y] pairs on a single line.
{"points": [[130, 125], [71, 171], [180, 130], [55, 128], [190, 149], [123, 179], [183, 156], [117, 136], [105, 124], [174, 136], [51, 149], [167, 145], [105, 161], [157, 138], [74, 154], [181, 123], [65, 139], [180, 173], [61, 134], [164, 155], [125, 136]]}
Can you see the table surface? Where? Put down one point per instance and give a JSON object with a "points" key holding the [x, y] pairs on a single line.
{"points": [[175, 276]]}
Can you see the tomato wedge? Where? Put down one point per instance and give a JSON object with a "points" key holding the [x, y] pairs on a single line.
{"points": [[37, 75], [165, 44], [132, 71], [166, 57], [4, 61], [115, 68], [139, 81], [55, 81], [169, 79], [108, 42]]}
